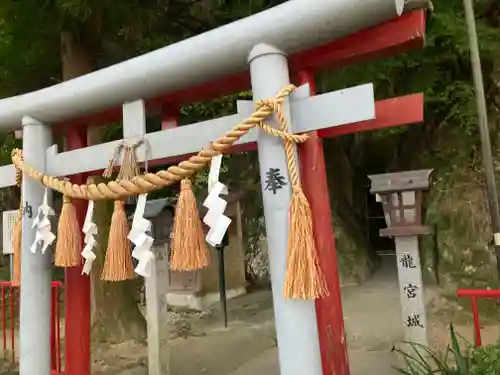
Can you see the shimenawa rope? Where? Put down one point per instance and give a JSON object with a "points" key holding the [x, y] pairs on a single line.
{"points": [[148, 181], [304, 279]]}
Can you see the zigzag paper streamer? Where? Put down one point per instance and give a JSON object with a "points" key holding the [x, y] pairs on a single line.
{"points": [[142, 241], [89, 230], [44, 236], [215, 218]]}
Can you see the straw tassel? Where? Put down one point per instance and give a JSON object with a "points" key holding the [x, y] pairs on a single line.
{"points": [[189, 250], [69, 239], [304, 278], [118, 264]]}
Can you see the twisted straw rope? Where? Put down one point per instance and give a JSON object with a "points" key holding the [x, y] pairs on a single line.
{"points": [[148, 182], [289, 150], [19, 180]]}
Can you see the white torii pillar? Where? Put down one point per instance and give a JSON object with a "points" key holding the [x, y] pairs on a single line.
{"points": [[296, 326], [36, 269]]}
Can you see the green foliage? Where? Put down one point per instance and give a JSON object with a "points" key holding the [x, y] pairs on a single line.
{"points": [[30, 33], [486, 361], [422, 360], [230, 10], [114, 30], [7, 144], [447, 141], [10, 371], [456, 360], [441, 70]]}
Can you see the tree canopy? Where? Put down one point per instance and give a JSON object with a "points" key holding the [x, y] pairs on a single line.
{"points": [[30, 31]]}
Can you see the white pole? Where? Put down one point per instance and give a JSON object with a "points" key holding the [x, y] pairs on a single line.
{"points": [[11, 265], [296, 326], [36, 271]]}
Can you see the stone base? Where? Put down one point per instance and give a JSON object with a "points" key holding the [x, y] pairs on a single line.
{"points": [[200, 303]]}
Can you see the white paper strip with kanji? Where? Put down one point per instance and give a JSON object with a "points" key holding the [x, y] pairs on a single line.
{"points": [[89, 232]]}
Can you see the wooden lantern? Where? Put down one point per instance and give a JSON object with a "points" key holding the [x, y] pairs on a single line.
{"points": [[401, 198]]}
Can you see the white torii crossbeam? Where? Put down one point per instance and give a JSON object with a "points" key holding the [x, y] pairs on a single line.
{"points": [[296, 326], [308, 113]]}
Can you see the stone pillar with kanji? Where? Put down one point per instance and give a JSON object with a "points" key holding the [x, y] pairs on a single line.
{"points": [[401, 197]]}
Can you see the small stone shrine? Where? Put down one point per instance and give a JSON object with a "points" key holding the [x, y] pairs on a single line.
{"points": [[200, 288]]}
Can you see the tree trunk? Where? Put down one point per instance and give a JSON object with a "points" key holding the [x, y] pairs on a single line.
{"points": [[115, 312]]}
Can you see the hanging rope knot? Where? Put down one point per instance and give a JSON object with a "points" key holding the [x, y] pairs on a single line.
{"points": [[113, 161], [270, 106], [137, 144], [129, 167], [266, 105], [304, 278], [186, 184]]}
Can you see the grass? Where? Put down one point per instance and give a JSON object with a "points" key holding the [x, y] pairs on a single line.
{"points": [[7, 368]]}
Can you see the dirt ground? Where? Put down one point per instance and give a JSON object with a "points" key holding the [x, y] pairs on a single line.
{"points": [[200, 345]]}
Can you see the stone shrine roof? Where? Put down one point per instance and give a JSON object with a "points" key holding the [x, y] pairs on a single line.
{"points": [[155, 207]]}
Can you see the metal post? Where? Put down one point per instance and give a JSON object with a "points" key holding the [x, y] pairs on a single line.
{"points": [[77, 288], [222, 283], [156, 311], [134, 128], [11, 265], [484, 131], [36, 269], [296, 328], [332, 338]]}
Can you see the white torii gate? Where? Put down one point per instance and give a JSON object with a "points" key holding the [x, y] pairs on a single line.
{"points": [[297, 333], [294, 26]]}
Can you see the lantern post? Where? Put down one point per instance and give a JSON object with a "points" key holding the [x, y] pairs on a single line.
{"points": [[401, 197]]}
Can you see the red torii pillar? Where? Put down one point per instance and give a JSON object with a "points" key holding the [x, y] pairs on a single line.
{"points": [[334, 356], [380, 41], [329, 313], [77, 286]]}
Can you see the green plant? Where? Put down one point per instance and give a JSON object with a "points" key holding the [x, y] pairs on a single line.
{"points": [[456, 360], [486, 361], [7, 368], [424, 361]]}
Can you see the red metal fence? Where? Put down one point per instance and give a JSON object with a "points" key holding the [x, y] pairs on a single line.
{"points": [[474, 295], [10, 323]]}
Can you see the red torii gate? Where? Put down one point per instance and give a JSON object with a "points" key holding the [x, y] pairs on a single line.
{"points": [[399, 35]]}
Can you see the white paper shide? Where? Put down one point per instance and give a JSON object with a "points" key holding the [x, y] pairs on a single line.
{"points": [[44, 236], [215, 218], [142, 241], [89, 232]]}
